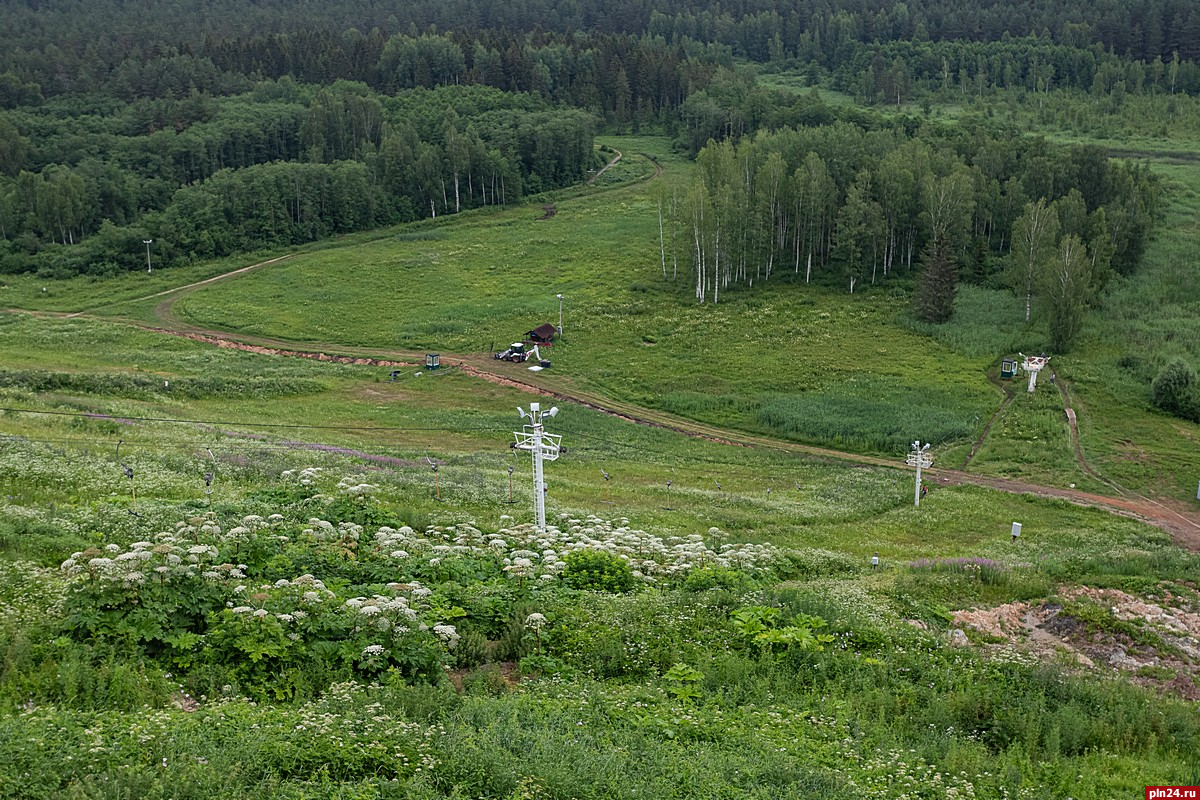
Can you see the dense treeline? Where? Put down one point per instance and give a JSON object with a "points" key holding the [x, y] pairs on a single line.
{"points": [[840, 203], [870, 46], [897, 71], [105, 31], [215, 128], [282, 164]]}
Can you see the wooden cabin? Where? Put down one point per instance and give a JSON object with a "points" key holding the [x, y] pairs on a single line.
{"points": [[542, 334]]}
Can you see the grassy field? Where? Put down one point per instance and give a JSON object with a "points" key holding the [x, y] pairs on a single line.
{"points": [[754, 652], [803, 363], [799, 362], [628, 686]]}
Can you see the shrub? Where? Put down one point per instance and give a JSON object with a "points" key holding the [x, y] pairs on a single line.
{"points": [[1175, 390], [705, 578], [598, 571], [471, 650]]}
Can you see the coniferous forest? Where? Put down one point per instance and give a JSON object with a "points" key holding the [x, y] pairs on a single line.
{"points": [[281, 123]]}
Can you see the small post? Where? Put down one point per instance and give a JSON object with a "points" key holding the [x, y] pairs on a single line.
{"points": [[1016, 531], [148, 242], [560, 302], [437, 487]]}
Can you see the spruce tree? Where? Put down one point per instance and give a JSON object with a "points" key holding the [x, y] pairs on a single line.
{"points": [[938, 282]]}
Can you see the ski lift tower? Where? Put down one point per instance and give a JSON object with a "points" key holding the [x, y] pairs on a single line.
{"points": [[919, 458], [544, 447], [1033, 365]]}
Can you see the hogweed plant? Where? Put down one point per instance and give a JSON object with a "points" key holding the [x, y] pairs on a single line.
{"points": [[683, 682]]}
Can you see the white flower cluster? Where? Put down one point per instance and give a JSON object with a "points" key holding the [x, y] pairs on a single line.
{"points": [[398, 614], [195, 527], [250, 529], [160, 560], [304, 477], [282, 600], [324, 531], [529, 553], [384, 613], [448, 634], [355, 488]]}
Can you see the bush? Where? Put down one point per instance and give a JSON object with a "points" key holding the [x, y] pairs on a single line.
{"points": [[471, 650], [1175, 390], [705, 578], [598, 571]]}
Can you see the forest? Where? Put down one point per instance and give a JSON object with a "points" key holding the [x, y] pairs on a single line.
{"points": [[860, 206], [260, 129]]}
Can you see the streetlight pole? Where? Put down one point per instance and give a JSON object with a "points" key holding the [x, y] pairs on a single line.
{"points": [[148, 242], [560, 301]]}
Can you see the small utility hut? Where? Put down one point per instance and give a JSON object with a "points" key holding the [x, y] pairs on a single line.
{"points": [[1008, 368], [542, 334]]}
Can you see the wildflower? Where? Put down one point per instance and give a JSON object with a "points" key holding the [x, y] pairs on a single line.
{"points": [[447, 633], [535, 621]]}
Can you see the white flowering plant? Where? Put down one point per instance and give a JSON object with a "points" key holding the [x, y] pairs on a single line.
{"points": [[219, 594]]}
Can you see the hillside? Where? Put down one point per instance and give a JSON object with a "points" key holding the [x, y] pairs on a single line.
{"points": [[254, 544]]}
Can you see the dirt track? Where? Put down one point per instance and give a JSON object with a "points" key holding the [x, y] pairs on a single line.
{"points": [[1183, 524]]}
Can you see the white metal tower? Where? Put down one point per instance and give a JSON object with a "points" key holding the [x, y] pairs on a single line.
{"points": [[1033, 365], [544, 446], [919, 458]]}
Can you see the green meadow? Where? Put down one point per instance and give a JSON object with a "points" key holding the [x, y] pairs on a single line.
{"points": [[755, 643], [803, 362]]}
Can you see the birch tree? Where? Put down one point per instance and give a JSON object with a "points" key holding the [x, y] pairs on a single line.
{"points": [[1033, 237], [1067, 284]]}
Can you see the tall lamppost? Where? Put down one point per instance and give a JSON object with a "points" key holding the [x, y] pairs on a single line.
{"points": [[148, 242], [560, 299]]}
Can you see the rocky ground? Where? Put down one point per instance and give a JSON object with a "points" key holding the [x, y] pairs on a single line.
{"points": [[1152, 640]]}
